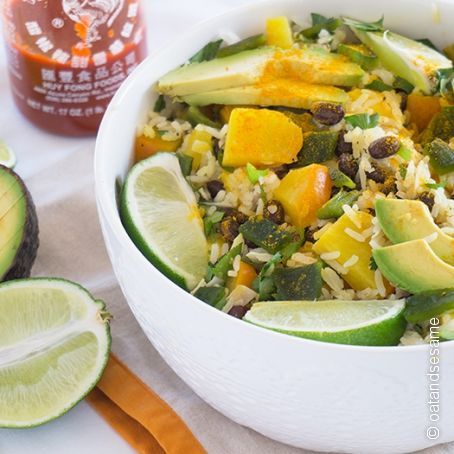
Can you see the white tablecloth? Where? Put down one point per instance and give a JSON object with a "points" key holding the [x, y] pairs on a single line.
{"points": [[59, 174]]}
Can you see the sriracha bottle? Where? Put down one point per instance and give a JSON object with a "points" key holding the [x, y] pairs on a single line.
{"points": [[67, 58]]}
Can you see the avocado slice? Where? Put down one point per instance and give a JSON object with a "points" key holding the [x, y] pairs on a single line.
{"points": [[286, 93], [409, 59], [414, 267], [18, 227], [407, 220], [311, 65]]}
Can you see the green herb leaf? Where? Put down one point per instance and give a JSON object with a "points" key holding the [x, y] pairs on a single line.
{"points": [[214, 296], [160, 104], [446, 83], [185, 163], [405, 153], [376, 26], [402, 84], [379, 85], [373, 264], [254, 174], [334, 207], [363, 121], [442, 184], [195, 116], [319, 23], [209, 222], [207, 53], [264, 284], [403, 170]]}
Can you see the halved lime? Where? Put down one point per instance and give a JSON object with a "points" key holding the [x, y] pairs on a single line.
{"points": [[409, 59], [160, 213], [376, 322], [54, 345], [7, 156]]}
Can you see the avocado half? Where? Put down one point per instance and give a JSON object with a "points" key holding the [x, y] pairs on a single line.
{"points": [[407, 220], [19, 229], [414, 267]]}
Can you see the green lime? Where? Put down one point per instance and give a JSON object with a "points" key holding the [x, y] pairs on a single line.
{"points": [[159, 211], [342, 322], [54, 345], [7, 156]]}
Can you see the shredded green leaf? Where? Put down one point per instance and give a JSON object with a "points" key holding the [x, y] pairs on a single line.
{"points": [[207, 53], [405, 153], [376, 26], [209, 222], [224, 264], [254, 174], [427, 42], [403, 170], [402, 84], [379, 85], [442, 184], [373, 264], [160, 104], [320, 22], [214, 296], [363, 121], [185, 163]]}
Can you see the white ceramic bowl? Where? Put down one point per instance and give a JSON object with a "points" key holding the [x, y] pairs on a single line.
{"points": [[314, 395]]}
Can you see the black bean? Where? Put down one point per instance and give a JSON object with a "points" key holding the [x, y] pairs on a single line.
{"points": [[309, 236], [328, 113], [384, 147], [282, 171], [274, 211], [428, 199], [236, 215], [343, 146], [377, 175], [403, 101], [214, 187], [349, 165], [229, 228], [237, 312]]}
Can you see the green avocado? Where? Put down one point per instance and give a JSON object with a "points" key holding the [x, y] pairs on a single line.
{"points": [[414, 267], [413, 61], [293, 94], [311, 65], [18, 227], [407, 220]]}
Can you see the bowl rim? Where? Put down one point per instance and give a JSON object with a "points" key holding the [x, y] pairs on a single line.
{"points": [[112, 215]]}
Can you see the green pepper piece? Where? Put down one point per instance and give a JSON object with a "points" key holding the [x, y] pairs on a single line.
{"points": [[440, 127], [301, 283], [318, 147], [441, 156], [333, 208], [253, 42], [266, 234], [425, 306], [195, 116], [341, 180], [214, 296], [359, 54]]}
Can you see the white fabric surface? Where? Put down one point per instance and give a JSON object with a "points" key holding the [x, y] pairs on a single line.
{"points": [[59, 174]]}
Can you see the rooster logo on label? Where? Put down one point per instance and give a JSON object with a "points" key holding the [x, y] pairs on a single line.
{"points": [[89, 15]]}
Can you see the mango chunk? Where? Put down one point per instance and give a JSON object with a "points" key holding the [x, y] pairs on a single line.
{"points": [[198, 143], [336, 238], [261, 137], [147, 146], [226, 111], [279, 32], [246, 275], [303, 192], [422, 109]]}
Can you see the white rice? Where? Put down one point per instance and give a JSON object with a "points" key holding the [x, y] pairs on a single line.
{"points": [[353, 260], [379, 283], [330, 255], [331, 278], [355, 235]]}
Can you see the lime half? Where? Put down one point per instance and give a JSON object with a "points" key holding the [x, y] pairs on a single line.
{"points": [[54, 345], [378, 322], [7, 156], [160, 213]]}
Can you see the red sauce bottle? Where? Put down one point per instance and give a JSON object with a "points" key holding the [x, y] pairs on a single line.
{"points": [[67, 58]]}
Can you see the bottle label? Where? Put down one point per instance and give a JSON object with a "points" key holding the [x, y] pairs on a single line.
{"points": [[68, 57]]}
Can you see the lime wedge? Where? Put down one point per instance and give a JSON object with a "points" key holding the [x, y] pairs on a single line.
{"points": [[341, 322], [159, 211], [54, 345], [411, 60], [7, 156]]}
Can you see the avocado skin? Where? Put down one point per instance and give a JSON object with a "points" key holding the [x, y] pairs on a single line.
{"points": [[28, 248]]}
